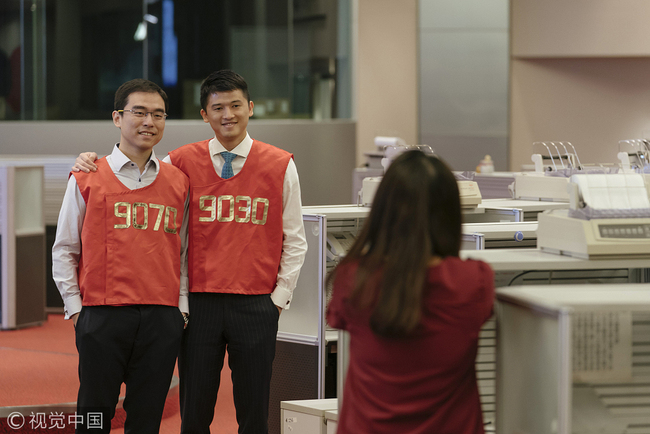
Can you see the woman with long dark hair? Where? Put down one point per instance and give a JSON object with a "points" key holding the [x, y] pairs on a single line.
{"points": [[413, 309]]}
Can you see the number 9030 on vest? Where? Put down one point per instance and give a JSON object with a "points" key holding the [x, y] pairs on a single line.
{"points": [[254, 210]]}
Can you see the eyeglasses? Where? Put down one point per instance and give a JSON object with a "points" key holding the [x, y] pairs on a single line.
{"points": [[156, 116]]}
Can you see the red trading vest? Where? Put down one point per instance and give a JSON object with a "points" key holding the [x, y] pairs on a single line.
{"points": [[235, 228], [130, 238]]}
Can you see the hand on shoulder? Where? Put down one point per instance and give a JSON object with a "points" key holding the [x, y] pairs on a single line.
{"points": [[85, 162]]}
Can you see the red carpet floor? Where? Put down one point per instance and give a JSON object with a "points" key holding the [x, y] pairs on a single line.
{"points": [[38, 367]]}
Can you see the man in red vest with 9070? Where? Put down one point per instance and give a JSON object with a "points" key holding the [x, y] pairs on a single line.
{"points": [[116, 261]]}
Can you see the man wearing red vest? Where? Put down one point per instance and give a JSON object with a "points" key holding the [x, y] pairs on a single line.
{"points": [[116, 261], [246, 244]]}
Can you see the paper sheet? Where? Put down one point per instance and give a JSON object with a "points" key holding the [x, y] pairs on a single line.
{"points": [[602, 346]]}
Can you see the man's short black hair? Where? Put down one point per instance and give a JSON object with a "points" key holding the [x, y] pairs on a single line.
{"points": [[224, 80], [137, 85]]}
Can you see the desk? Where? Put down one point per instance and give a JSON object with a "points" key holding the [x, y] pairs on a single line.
{"points": [[535, 259], [530, 208]]}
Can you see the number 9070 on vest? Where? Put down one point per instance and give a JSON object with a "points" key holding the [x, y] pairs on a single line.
{"points": [[130, 215]]}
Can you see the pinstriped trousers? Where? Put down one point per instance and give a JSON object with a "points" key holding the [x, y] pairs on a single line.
{"points": [[244, 325]]}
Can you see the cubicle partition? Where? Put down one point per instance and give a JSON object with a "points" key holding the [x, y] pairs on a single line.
{"points": [[534, 267], [586, 369], [304, 366], [22, 246], [56, 169]]}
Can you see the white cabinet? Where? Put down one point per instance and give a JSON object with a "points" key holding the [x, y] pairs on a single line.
{"points": [[307, 416], [332, 421]]}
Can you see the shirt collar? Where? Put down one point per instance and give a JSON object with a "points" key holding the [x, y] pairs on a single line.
{"points": [[119, 159], [242, 149]]}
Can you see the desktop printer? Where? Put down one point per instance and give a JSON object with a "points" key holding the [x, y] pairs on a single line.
{"points": [[608, 216]]}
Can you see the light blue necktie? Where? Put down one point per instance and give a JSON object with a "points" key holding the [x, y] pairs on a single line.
{"points": [[226, 171]]}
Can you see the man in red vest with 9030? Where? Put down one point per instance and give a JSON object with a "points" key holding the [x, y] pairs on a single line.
{"points": [[246, 247]]}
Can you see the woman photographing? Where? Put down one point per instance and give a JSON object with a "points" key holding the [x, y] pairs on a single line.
{"points": [[413, 309]]}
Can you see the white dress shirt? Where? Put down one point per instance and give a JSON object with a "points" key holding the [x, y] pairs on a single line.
{"points": [[66, 251], [294, 244]]}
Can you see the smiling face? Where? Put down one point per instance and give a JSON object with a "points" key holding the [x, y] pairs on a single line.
{"points": [[227, 113], [140, 134]]}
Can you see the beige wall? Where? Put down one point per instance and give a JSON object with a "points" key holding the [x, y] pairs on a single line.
{"points": [[386, 99], [592, 103], [323, 151], [580, 72], [579, 28]]}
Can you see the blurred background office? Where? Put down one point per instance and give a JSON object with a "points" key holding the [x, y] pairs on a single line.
{"points": [[467, 78], [333, 73]]}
